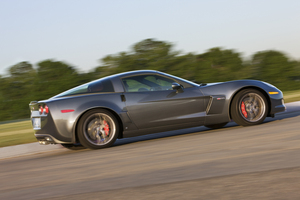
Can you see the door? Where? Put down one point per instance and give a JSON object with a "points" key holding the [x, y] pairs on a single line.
{"points": [[151, 102]]}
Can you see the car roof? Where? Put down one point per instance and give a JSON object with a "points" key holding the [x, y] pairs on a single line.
{"points": [[118, 87], [132, 73]]}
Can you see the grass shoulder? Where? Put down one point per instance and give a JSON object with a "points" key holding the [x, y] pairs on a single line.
{"points": [[291, 96], [16, 132]]}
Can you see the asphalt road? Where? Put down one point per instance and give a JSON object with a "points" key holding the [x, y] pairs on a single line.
{"points": [[258, 162]]}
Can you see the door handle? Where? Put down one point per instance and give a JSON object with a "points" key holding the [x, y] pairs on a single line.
{"points": [[123, 97]]}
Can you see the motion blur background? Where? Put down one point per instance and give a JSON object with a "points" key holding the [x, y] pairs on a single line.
{"points": [[48, 47]]}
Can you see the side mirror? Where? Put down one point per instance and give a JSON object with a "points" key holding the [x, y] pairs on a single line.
{"points": [[176, 86]]}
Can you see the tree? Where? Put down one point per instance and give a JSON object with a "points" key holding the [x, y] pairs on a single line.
{"points": [[22, 69], [54, 77], [16, 91], [25, 84], [147, 54], [218, 65], [275, 67]]}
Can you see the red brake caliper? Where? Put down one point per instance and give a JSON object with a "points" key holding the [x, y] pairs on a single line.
{"points": [[244, 110], [106, 127]]}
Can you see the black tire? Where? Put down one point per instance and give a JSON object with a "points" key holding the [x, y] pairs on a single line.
{"points": [[73, 146], [216, 126], [249, 107], [98, 128]]}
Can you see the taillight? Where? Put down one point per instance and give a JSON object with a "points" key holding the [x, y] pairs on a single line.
{"points": [[41, 110], [44, 110]]}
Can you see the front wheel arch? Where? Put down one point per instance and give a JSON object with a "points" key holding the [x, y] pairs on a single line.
{"points": [[75, 134], [255, 88]]}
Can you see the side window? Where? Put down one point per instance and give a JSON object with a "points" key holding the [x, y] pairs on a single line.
{"points": [[147, 83], [134, 85], [162, 82], [101, 86]]}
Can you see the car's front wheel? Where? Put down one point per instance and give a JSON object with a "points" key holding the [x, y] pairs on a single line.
{"points": [[98, 128], [249, 107]]}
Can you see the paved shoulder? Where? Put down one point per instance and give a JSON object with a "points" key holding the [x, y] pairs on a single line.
{"points": [[26, 149]]}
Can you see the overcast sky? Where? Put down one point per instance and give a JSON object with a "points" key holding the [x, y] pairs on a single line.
{"points": [[82, 32]]}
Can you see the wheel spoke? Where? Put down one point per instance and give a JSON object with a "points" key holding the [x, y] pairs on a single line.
{"points": [[253, 108], [98, 139], [252, 116], [251, 98], [99, 129]]}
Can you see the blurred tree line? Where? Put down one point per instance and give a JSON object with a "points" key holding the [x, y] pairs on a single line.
{"points": [[26, 83]]}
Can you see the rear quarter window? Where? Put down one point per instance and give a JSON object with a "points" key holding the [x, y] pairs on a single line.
{"points": [[100, 86]]}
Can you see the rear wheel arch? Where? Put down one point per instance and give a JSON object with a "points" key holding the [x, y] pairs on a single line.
{"points": [[255, 88], [104, 108]]}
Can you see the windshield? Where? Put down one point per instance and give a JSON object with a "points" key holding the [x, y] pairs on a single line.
{"points": [[189, 83]]}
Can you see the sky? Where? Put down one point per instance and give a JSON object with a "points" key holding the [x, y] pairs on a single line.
{"points": [[80, 33]]}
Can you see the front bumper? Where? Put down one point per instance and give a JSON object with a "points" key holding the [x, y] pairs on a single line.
{"points": [[277, 104]]}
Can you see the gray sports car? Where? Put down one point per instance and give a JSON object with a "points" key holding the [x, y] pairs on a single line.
{"points": [[134, 103]]}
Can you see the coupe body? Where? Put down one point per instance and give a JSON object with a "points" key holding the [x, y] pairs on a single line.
{"points": [[141, 102]]}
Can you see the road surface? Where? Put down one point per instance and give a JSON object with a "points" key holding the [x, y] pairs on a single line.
{"points": [[258, 162]]}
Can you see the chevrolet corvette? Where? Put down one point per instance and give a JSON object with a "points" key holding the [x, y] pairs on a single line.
{"points": [[95, 114]]}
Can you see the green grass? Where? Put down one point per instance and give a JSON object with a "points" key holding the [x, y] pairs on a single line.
{"points": [[21, 132], [23, 138], [291, 96], [13, 133], [15, 126]]}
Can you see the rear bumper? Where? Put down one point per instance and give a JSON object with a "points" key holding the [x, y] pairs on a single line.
{"points": [[48, 131], [49, 139]]}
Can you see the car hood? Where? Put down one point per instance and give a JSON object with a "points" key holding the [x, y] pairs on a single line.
{"points": [[210, 84]]}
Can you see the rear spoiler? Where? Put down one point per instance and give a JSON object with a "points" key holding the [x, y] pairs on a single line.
{"points": [[32, 103]]}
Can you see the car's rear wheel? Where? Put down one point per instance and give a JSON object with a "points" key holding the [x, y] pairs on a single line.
{"points": [[98, 128], [249, 107], [216, 126], [73, 146]]}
